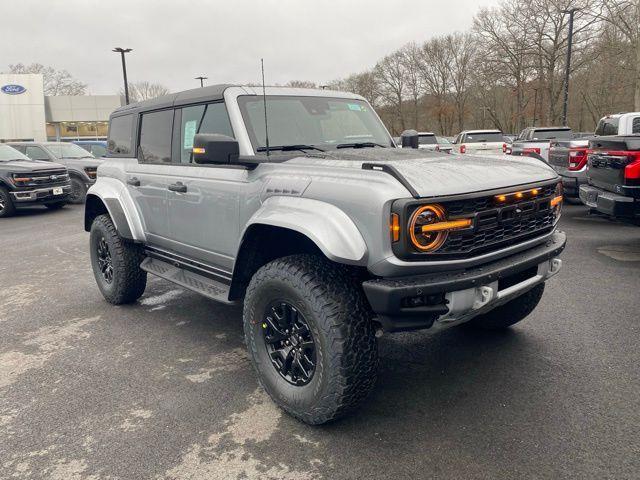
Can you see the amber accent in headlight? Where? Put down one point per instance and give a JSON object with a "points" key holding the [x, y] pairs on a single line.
{"points": [[428, 227]]}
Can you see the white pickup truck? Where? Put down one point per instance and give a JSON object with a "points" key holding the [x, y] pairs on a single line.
{"points": [[480, 141], [535, 141]]}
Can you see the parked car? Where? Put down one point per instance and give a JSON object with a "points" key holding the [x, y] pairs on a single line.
{"points": [[479, 141], [444, 145], [81, 164], [569, 159], [613, 177], [98, 148], [25, 182], [619, 124], [323, 230], [535, 141]]}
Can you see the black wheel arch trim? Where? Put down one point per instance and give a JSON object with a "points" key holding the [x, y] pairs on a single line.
{"points": [[96, 205]]}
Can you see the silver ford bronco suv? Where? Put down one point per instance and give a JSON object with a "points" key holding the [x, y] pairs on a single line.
{"points": [[297, 204]]}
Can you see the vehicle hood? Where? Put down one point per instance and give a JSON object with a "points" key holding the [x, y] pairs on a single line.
{"points": [[80, 163], [438, 174], [29, 166]]}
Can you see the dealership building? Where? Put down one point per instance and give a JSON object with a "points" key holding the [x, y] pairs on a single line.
{"points": [[26, 113]]}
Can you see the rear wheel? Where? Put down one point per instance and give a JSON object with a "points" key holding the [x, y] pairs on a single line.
{"points": [[6, 204], [116, 263], [310, 337], [511, 312], [78, 190]]}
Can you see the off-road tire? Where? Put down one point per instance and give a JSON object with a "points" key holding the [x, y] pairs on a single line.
{"points": [[7, 209], [129, 280], [78, 191], [55, 206], [339, 318], [511, 312]]}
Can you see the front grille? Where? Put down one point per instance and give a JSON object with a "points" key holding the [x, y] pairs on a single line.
{"points": [[497, 226], [46, 178]]}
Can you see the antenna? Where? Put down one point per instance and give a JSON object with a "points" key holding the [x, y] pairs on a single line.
{"points": [[264, 100]]}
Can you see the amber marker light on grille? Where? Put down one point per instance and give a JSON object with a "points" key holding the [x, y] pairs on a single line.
{"points": [[450, 225], [394, 227], [555, 201], [198, 150], [501, 198]]}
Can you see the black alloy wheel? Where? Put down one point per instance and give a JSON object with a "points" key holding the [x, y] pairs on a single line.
{"points": [[105, 263], [289, 342]]}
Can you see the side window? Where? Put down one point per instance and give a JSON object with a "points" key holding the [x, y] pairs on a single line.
{"points": [[211, 118], [21, 148], [635, 126], [155, 137], [36, 153], [98, 151], [120, 141]]}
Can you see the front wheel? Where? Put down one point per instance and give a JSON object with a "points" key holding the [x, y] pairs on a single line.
{"points": [[116, 263], [511, 312], [78, 191], [310, 337], [6, 204]]}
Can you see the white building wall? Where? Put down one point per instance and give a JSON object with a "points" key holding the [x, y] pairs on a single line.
{"points": [[22, 116]]}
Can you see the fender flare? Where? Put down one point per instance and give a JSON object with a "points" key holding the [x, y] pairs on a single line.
{"points": [[332, 231], [120, 206]]}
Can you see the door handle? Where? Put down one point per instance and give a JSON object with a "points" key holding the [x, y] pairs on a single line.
{"points": [[133, 181], [178, 187]]}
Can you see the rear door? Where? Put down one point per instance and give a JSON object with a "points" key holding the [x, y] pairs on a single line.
{"points": [[148, 179]]}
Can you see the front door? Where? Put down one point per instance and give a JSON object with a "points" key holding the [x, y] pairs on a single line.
{"points": [[203, 208]]}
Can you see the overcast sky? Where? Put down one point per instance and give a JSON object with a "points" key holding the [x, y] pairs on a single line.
{"points": [[175, 41]]}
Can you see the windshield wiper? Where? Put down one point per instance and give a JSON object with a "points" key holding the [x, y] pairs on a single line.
{"points": [[288, 148], [360, 145]]}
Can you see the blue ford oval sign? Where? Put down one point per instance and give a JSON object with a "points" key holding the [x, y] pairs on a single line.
{"points": [[13, 89]]}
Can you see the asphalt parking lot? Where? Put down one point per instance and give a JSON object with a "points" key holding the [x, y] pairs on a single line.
{"points": [[163, 388]]}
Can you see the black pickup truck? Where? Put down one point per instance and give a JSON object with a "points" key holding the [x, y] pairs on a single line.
{"points": [[613, 177], [25, 182]]}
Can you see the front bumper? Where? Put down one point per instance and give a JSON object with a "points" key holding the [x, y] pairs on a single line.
{"points": [[610, 203], [40, 195], [447, 298]]}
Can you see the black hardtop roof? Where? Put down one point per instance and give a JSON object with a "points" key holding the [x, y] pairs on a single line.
{"points": [[196, 95]]}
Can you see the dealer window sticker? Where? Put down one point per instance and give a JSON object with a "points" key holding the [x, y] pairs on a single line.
{"points": [[190, 129], [355, 107]]}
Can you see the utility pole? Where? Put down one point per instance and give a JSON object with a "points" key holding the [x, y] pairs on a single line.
{"points": [[122, 51], [565, 104], [535, 105], [202, 79]]}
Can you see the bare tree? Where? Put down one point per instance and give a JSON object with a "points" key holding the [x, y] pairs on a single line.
{"points": [[144, 90], [56, 82], [411, 58], [390, 73], [436, 74], [462, 57], [300, 84], [625, 16]]}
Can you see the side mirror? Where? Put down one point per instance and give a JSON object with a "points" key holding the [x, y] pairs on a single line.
{"points": [[409, 139], [214, 148]]}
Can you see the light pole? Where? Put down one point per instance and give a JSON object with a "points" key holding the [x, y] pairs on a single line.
{"points": [[202, 79], [122, 51], [565, 104]]}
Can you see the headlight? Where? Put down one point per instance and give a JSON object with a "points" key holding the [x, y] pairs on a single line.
{"points": [[21, 180], [556, 201], [429, 227]]}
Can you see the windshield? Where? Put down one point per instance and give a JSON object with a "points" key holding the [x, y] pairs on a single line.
{"points": [[9, 153], [443, 140], [427, 140], [552, 134], [482, 137], [68, 150], [323, 123]]}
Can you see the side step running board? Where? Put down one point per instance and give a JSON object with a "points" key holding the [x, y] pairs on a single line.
{"points": [[190, 280]]}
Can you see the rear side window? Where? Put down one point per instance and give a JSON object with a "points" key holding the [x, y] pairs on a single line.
{"points": [[120, 135], [427, 140], [211, 118], [607, 126], [155, 137], [635, 126]]}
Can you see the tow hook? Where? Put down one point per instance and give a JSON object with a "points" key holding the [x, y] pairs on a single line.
{"points": [[483, 296]]}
